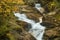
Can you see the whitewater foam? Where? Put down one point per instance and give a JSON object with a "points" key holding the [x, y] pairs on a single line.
{"points": [[37, 30]]}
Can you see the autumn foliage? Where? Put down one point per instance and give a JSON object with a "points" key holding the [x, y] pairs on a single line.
{"points": [[10, 5]]}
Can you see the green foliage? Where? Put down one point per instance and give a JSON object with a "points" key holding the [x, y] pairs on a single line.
{"points": [[10, 36], [6, 15], [52, 5]]}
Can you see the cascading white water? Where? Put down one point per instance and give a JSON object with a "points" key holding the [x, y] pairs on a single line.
{"points": [[23, 17], [39, 8], [37, 30]]}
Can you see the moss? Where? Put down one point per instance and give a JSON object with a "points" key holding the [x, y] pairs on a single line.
{"points": [[11, 37], [57, 16]]}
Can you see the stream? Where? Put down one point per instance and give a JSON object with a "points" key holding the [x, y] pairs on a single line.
{"points": [[37, 29]]}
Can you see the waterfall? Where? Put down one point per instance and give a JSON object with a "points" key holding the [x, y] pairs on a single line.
{"points": [[39, 8], [37, 30], [23, 17]]}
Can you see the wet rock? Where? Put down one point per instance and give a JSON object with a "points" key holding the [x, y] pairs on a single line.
{"points": [[21, 35], [33, 16], [52, 13], [48, 25], [31, 13], [26, 26]]}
